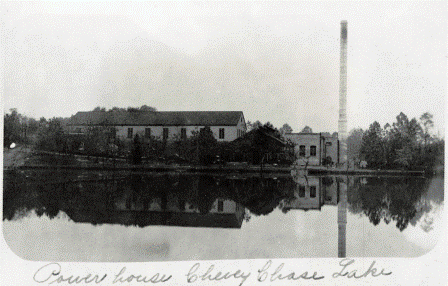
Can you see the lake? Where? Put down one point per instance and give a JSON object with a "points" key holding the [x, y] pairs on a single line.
{"points": [[123, 216]]}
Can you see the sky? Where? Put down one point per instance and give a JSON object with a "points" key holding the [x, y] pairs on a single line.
{"points": [[276, 62]]}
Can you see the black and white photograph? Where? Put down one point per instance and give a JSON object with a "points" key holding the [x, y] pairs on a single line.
{"points": [[209, 131]]}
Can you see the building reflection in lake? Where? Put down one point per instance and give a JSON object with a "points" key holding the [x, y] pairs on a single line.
{"points": [[220, 201], [315, 206], [312, 193], [163, 202]]}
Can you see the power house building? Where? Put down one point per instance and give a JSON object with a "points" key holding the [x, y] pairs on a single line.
{"points": [[166, 125]]}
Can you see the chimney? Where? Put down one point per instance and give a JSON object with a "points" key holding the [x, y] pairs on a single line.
{"points": [[342, 123]]}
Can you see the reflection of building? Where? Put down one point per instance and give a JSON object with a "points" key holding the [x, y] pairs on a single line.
{"points": [[167, 210], [166, 125], [225, 214], [313, 192], [317, 147]]}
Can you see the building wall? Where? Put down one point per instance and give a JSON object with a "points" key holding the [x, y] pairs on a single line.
{"points": [[230, 132], [332, 150], [315, 139], [307, 139], [229, 206]]}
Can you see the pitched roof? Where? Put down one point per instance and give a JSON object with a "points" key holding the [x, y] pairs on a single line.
{"points": [[160, 118]]}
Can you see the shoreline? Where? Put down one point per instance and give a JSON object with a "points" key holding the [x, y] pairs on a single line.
{"points": [[15, 159], [220, 169]]}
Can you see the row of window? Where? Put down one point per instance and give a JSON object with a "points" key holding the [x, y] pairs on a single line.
{"points": [[312, 191], [183, 133], [302, 150]]}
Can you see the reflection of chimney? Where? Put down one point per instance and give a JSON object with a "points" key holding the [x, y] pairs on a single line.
{"points": [[342, 218], [342, 124]]}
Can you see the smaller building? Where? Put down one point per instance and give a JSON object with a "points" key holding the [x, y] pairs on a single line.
{"points": [[317, 148]]}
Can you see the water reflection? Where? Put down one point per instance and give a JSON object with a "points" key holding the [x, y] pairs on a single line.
{"points": [[397, 199], [225, 201]]}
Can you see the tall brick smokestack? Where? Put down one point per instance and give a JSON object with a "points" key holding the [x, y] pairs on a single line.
{"points": [[342, 124]]}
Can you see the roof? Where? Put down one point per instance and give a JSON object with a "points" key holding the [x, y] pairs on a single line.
{"points": [[159, 118], [262, 131], [322, 134]]}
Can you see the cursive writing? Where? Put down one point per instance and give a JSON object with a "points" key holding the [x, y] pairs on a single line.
{"points": [[345, 263], [46, 272], [120, 277], [263, 274], [192, 276]]}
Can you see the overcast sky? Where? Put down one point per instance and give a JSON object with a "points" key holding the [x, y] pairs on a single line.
{"points": [[276, 62]]}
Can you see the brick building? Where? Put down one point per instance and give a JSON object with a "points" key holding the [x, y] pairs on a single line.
{"points": [[316, 147]]}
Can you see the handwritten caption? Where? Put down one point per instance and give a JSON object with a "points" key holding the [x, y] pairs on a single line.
{"points": [[53, 273]]}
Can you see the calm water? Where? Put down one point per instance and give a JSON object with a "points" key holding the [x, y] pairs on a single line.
{"points": [[152, 217]]}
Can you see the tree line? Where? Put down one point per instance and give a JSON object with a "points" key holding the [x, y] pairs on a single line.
{"points": [[406, 144]]}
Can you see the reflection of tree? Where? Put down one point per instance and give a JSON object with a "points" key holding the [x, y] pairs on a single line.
{"points": [[388, 199], [262, 195]]}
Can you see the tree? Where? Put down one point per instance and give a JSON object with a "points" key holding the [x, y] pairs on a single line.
{"points": [[147, 108], [116, 109], [132, 109], [51, 136], [136, 151], [285, 129], [252, 126], [98, 108], [354, 142], [205, 144], [405, 144], [372, 146], [12, 127], [306, 129], [428, 124]]}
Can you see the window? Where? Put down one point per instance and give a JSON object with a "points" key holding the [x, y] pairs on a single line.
{"points": [[220, 206], [221, 133], [312, 191], [165, 134], [301, 191], [313, 151], [147, 132], [183, 134], [130, 131], [302, 150]]}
